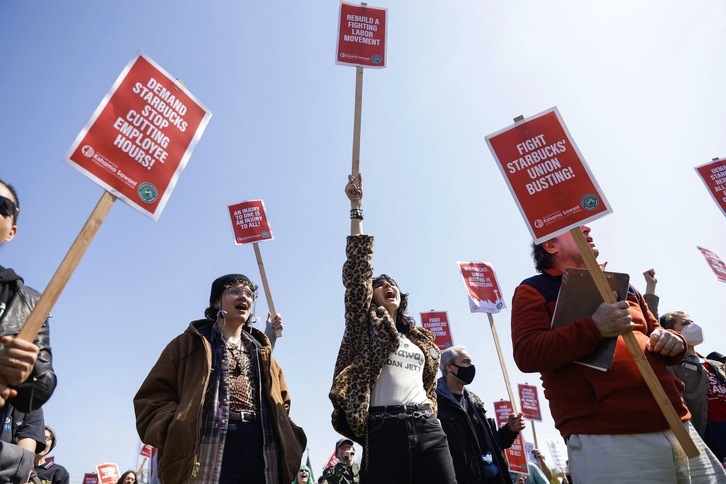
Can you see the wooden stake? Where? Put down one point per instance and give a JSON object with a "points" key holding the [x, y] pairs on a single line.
{"points": [[634, 348], [46, 302], [266, 285], [501, 363], [357, 119], [141, 467]]}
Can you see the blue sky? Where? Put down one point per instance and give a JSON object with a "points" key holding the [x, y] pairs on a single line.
{"points": [[639, 84]]}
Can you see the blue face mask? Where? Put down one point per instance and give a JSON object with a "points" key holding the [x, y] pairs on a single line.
{"points": [[465, 373]]}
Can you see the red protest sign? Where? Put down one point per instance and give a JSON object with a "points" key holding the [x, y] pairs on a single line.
{"points": [[438, 323], [146, 451], [717, 265], [108, 473], [529, 402], [90, 478], [361, 36], [547, 175], [515, 454], [482, 286], [141, 136], [249, 222], [713, 175]]}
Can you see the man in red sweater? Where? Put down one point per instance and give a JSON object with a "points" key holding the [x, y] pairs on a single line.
{"points": [[614, 429]]}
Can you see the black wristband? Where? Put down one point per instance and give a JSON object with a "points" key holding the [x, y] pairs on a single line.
{"points": [[356, 213]]}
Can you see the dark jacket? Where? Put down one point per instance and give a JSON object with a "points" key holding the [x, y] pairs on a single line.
{"points": [[465, 447], [41, 384]]}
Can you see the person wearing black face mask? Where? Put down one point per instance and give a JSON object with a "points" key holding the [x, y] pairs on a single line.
{"points": [[475, 442]]}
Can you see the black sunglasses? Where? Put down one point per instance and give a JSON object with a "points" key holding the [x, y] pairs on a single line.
{"points": [[7, 207]]}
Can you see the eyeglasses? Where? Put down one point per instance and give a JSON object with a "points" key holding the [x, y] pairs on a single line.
{"points": [[8, 208], [240, 291]]}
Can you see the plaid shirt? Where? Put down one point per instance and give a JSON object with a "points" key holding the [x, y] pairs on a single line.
{"points": [[216, 414]]}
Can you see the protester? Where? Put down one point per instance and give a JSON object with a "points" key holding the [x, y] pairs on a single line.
{"points": [[475, 442], [383, 390], [216, 404], [304, 476], [128, 477], [705, 384], [27, 379], [614, 429], [49, 472], [542, 466], [344, 470]]}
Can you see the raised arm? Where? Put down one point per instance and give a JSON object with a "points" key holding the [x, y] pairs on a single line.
{"points": [[354, 191]]}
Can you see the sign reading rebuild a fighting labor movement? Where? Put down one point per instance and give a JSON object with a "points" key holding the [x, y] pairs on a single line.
{"points": [[249, 222], [141, 136], [547, 175], [438, 323], [714, 176], [361, 36], [482, 287]]}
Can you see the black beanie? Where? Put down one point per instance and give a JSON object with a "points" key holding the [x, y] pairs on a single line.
{"points": [[221, 283]]}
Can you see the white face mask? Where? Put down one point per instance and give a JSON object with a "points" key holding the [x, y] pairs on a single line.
{"points": [[693, 334]]}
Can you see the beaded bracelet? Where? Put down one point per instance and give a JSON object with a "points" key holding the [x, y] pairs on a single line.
{"points": [[356, 213]]}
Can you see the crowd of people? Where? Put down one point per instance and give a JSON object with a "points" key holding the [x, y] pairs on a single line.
{"points": [[216, 406]]}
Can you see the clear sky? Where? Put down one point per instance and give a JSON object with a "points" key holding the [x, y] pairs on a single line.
{"points": [[639, 84]]}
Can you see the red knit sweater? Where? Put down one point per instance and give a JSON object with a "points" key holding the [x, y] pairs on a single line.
{"points": [[584, 400]]}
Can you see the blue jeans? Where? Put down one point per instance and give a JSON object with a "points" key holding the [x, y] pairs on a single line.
{"points": [[410, 450], [243, 462]]}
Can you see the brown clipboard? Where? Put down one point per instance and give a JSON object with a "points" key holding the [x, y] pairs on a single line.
{"points": [[579, 298]]}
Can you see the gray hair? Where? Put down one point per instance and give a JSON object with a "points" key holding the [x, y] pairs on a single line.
{"points": [[448, 355]]}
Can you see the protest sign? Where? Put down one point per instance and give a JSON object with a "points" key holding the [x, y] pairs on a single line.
{"points": [[361, 36], [89, 478], [547, 175], [141, 136], [107, 473], [250, 225], [713, 175], [529, 402], [438, 323], [482, 286], [249, 222], [146, 451], [515, 454], [717, 265]]}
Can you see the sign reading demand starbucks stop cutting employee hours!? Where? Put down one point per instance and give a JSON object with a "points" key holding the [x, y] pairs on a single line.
{"points": [[141, 136]]}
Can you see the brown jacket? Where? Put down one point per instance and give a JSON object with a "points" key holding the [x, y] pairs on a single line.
{"points": [[169, 405]]}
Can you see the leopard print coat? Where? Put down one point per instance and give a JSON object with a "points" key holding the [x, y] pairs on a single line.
{"points": [[370, 337]]}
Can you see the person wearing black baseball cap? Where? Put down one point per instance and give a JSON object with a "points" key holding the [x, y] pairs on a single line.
{"points": [[344, 470], [216, 404]]}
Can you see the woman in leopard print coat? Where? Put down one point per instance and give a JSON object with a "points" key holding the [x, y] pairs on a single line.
{"points": [[383, 392]]}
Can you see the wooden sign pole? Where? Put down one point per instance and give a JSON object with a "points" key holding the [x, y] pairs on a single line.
{"points": [[502, 365], [357, 119], [634, 348], [63, 274], [266, 285]]}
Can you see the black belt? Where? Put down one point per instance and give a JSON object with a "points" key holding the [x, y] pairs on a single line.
{"points": [[242, 416], [422, 410]]}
